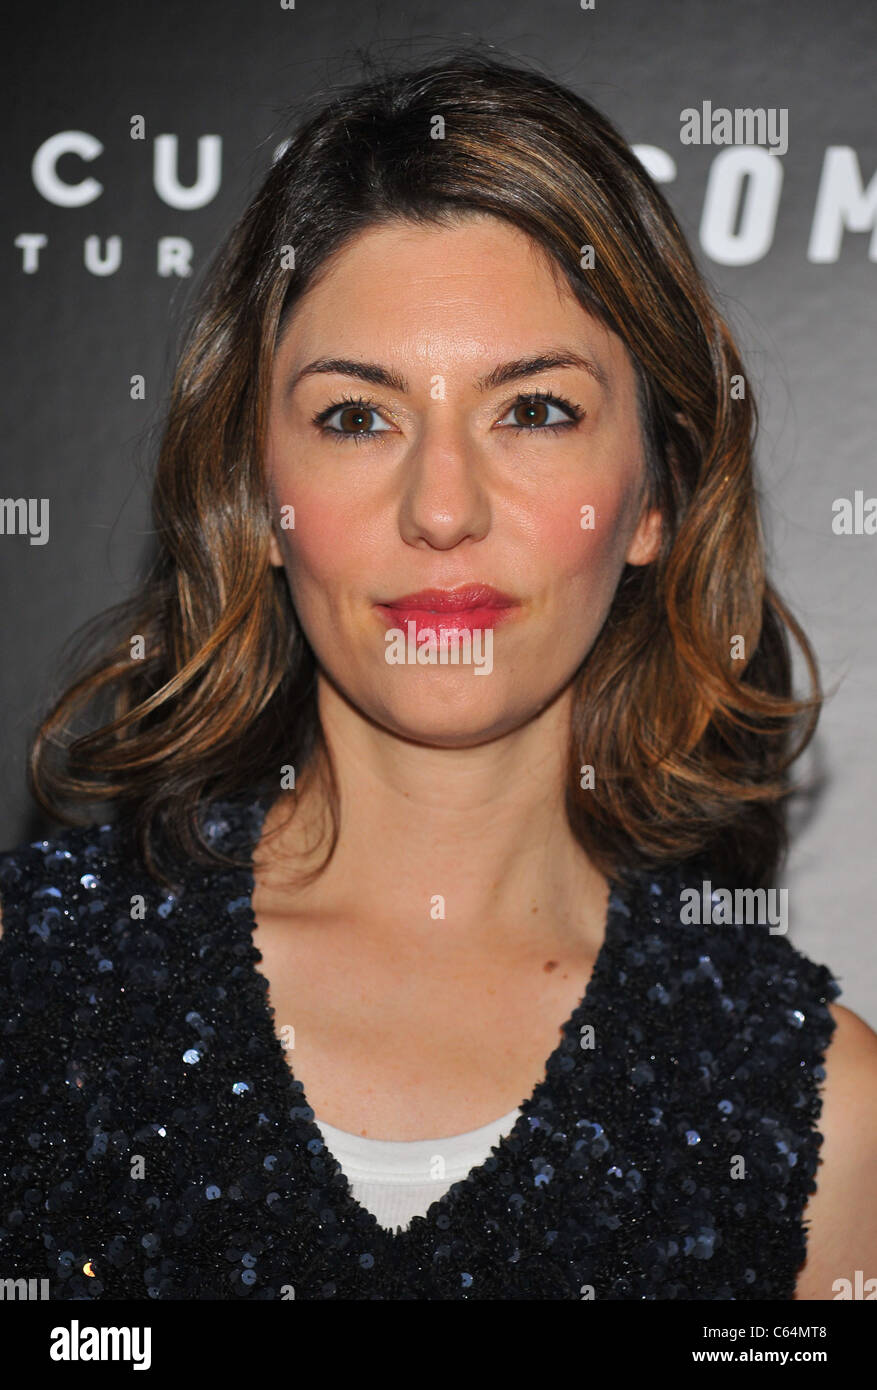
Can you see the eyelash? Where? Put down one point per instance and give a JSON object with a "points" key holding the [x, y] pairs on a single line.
{"points": [[341, 436]]}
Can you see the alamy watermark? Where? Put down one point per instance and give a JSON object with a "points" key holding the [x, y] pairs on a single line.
{"points": [[744, 125], [75, 1343], [451, 646], [25, 516], [749, 906], [23, 1289]]}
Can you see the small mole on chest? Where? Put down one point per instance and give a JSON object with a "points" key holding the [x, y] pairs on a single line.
{"points": [[550, 965]]}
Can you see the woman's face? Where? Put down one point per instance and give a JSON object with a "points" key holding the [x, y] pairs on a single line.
{"points": [[425, 483]]}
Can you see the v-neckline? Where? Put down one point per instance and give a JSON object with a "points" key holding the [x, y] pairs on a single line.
{"points": [[291, 1088]]}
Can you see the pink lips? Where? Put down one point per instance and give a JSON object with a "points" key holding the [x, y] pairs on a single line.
{"points": [[445, 610]]}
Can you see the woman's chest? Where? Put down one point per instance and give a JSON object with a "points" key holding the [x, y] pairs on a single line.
{"points": [[422, 1044]]}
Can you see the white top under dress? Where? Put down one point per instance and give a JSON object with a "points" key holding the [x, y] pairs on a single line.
{"points": [[398, 1178]]}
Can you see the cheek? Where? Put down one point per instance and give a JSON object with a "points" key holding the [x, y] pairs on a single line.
{"points": [[327, 546], [582, 539], [322, 536], [313, 524]]}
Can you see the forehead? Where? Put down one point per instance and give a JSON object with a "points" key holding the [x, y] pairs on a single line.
{"points": [[472, 286], [451, 242]]}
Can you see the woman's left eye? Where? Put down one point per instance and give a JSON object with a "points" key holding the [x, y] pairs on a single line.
{"points": [[534, 412]]}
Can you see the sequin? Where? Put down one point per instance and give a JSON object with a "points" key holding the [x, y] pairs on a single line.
{"points": [[709, 1042]]}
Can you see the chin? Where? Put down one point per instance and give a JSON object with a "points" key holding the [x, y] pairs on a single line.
{"points": [[446, 723]]}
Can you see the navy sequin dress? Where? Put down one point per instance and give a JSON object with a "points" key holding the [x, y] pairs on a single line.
{"points": [[154, 1143]]}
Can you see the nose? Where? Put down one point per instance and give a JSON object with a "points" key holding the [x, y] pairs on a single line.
{"points": [[443, 496]]}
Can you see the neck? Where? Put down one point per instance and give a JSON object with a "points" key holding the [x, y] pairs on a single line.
{"points": [[475, 839]]}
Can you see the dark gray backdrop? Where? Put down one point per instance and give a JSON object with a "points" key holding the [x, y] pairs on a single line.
{"points": [[794, 268]]}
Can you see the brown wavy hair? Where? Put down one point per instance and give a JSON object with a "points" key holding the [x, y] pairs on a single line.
{"points": [[691, 747]]}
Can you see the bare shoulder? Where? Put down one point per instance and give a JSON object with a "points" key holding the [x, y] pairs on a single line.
{"points": [[842, 1213]]}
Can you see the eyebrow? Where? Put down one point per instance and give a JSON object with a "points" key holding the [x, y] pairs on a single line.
{"points": [[507, 371]]}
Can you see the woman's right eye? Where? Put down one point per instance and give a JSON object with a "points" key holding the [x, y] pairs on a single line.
{"points": [[353, 418]]}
